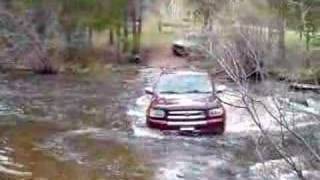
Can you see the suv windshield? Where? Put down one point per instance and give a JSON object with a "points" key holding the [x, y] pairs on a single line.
{"points": [[197, 38], [184, 84]]}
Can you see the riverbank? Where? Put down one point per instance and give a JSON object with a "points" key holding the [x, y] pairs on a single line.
{"points": [[304, 75]]}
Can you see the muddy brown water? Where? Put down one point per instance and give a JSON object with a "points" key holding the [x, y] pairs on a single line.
{"points": [[92, 127], [46, 122]]}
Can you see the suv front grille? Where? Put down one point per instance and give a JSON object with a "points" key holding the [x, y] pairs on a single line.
{"points": [[186, 115]]}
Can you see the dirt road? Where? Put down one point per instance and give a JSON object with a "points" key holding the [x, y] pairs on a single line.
{"points": [[162, 57]]}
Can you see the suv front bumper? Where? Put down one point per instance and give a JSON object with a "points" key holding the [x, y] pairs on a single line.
{"points": [[215, 125]]}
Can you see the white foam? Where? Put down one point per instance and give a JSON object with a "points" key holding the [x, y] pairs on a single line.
{"points": [[173, 171], [143, 101], [14, 172], [8, 149], [133, 112], [139, 125], [311, 175], [15, 165], [239, 120], [89, 130], [146, 132], [141, 105], [4, 158], [275, 168], [6, 162]]}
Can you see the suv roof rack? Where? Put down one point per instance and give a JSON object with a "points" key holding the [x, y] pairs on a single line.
{"points": [[181, 70]]}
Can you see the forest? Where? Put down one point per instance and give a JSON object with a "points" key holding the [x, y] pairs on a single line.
{"points": [[62, 29]]}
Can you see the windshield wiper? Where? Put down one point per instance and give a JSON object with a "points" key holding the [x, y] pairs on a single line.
{"points": [[198, 91], [169, 92]]}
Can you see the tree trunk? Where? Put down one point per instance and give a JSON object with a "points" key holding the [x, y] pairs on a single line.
{"points": [[302, 23], [282, 30], [308, 59], [308, 39], [126, 32], [134, 28], [111, 36], [118, 43], [160, 25], [206, 18], [90, 36], [68, 42], [300, 33], [270, 34], [139, 28], [282, 45], [40, 19]]}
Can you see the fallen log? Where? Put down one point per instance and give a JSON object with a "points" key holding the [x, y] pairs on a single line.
{"points": [[304, 87]]}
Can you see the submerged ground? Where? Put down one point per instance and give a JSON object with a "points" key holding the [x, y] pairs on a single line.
{"points": [[92, 127]]}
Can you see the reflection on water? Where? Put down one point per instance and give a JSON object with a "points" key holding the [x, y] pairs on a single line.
{"points": [[69, 127]]}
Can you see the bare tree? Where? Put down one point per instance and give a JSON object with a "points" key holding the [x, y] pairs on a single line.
{"points": [[230, 55], [135, 9], [35, 53]]}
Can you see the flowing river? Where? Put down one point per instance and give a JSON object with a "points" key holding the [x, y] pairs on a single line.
{"points": [[92, 127]]}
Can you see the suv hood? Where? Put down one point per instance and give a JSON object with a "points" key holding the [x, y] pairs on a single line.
{"points": [[184, 43], [188, 101]]}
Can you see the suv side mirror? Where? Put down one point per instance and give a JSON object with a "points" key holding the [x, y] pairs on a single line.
{"points": [[148, 90], [220, 89]]}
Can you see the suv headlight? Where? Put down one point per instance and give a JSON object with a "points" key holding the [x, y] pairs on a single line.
{"points": [[216, 112], [157, 113]]}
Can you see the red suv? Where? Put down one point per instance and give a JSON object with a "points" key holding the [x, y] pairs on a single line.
{"points": [[185, 101]]}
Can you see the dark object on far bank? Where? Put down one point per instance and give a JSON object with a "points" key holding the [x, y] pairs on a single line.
{"points": [[135, 59], [188, 44]]}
